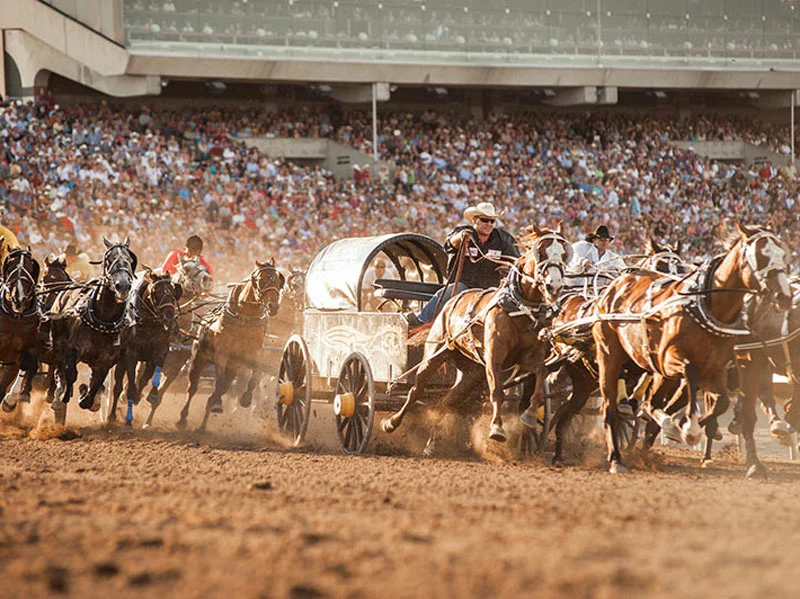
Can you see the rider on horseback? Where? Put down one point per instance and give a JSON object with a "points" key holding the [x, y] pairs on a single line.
{"points": [[193, 249], [479, 270], [592, 254]]}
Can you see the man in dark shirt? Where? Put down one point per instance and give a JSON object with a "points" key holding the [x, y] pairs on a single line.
{"points": [[485, 243]]}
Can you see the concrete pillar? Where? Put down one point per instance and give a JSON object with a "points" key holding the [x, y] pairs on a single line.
{"points": [[3, 64]]}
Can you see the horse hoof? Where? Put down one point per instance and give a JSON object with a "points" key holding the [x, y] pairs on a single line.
{"points": [[735, 428], [83, 388], [779, 429], [529, 419], [181, 424], [756, 471], [152, 397], [216, 408], [498, 434], [705, 463], [387, 426], [9, 406], [617, 468]]}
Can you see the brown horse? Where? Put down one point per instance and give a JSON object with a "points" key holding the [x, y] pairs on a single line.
{"points": [[573, 343], [233, 341], [685, 329], [483, 332]]}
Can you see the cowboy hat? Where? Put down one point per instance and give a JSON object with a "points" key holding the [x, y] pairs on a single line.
{"points": [[600, 232], [483, 209]]}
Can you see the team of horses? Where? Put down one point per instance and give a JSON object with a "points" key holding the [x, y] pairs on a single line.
{"points": [[144, 325], [660, 331]]}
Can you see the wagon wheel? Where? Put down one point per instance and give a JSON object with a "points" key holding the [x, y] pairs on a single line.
{"points": [[354, 404], [532, 441], [294, 389]]}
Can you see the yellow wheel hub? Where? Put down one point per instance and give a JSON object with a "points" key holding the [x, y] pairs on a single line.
{"points": [[344, 405], [286, 393]]}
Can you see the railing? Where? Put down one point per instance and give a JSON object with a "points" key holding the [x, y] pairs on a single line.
{"points": [[689, 30]]}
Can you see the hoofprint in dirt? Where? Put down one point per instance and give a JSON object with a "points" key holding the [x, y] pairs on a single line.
{"points": [[133, 514]]}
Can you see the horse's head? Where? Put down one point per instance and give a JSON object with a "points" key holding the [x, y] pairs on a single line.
{"points": [[546, 256], [193, 276], [267, 283], [764, 264], [119, 264], [664, 258], [20, 275], [55, 271], [162, 296]]}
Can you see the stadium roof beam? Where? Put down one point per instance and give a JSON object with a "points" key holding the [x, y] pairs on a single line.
{"points": [[578, 96]]}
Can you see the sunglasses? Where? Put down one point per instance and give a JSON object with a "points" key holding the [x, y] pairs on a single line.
{"points": [[485, 220]]}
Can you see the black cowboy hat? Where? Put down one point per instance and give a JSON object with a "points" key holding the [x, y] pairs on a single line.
{"points": [[600, 232]]}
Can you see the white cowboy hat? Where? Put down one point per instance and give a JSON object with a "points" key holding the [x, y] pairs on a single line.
{"points": [[483, 209]]}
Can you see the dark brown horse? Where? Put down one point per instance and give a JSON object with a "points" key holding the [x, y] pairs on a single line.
{"points": [[773, 348], [154, 310], [55, 279], [685, 329], [19, 318], [196, 283], [88, 324], [233, 341], [484, 332]]}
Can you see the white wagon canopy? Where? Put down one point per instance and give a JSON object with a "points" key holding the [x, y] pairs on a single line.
{"points": [[335, 278]]}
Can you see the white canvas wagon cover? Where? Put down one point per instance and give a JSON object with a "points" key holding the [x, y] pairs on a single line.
{"points": [[334, 278]]}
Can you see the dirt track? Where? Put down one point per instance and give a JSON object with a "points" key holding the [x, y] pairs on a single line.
{"points": [[163, 514]]}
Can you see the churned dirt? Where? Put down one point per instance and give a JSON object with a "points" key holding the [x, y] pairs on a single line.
{"points": [[235, 513]]}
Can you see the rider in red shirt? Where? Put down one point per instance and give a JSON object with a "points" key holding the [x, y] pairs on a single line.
{"points": [[194, 245]]}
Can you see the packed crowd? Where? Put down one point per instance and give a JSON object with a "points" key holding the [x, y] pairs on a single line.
{"points": [[73, 174]]}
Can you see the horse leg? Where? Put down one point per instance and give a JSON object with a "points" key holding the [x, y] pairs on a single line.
{"points": [[427, 369], [610, 358], [21, 389], [9, 373], [778, 428], [747, 420], [223, 380], [494, 373], [247, 397], [68, 374], [162, 379], [690, 424], [99, 374], [717, 403], [197, 362], [582, 386], [119, 379], [466, 382]]}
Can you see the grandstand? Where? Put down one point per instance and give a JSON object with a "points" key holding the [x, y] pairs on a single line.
{"points": [[278, 126]]}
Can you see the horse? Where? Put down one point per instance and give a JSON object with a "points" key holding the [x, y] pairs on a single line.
{"points": [[88, 324], [154, 306], [685, 329], [55, 278], [19, 318], [573, 345], [481, 332], [232, 342], [196, 283]]}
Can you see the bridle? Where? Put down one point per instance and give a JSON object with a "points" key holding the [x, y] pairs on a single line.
{"points": [[261, 293], [191, 278], [22, 275], [125, 259], [168, 300], [559, 253], [668, 257], [776, 262]]}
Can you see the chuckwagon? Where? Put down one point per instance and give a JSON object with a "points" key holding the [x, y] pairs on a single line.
{"points": [[352, 349]]}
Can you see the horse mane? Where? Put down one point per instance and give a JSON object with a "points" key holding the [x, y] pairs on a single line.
{"points": [[530, 235], [729, 236]]}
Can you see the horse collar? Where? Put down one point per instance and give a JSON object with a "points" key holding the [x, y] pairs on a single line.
{"points": [[699, 308], [89, 318]]}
